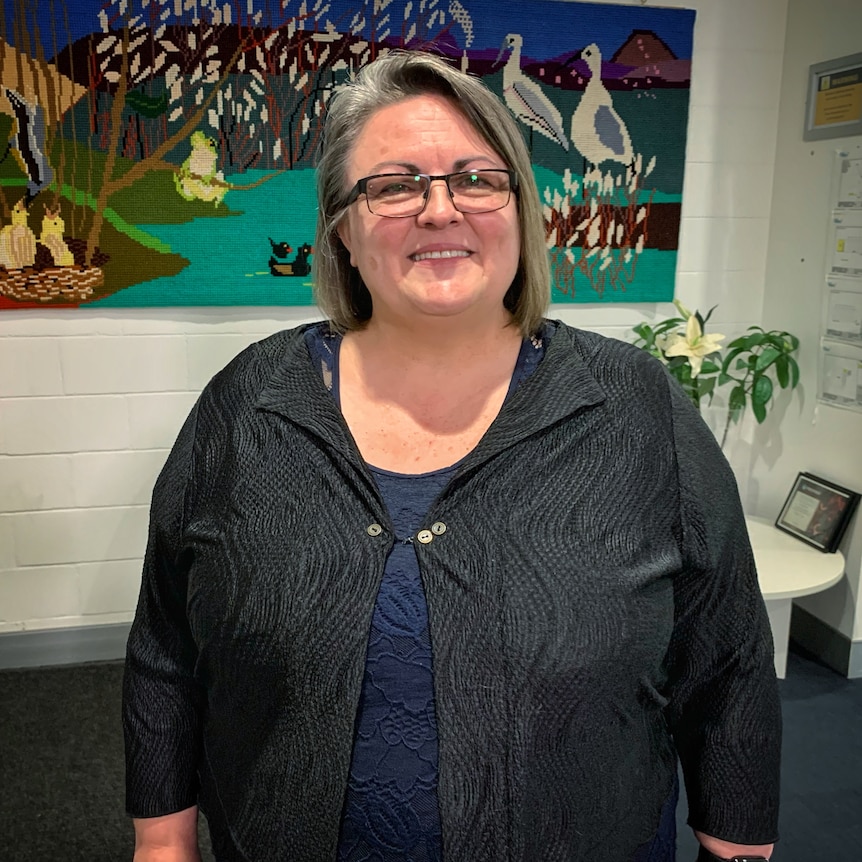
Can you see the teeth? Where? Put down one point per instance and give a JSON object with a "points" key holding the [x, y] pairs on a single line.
{"points": [[437, 255]]}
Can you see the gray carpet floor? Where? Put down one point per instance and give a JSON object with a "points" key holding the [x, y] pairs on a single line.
{"points": [[61, 767]]}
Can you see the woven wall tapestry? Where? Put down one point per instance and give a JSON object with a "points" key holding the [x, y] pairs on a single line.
{"points": [[160, 152]]}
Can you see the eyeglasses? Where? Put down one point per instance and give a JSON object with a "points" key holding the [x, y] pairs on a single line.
{"points": [[405, 195]]}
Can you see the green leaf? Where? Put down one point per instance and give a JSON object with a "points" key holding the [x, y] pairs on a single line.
{"points": [[766, 358], [736, 402], [794, 372], [686, 384], [759, 411], [762, 390], [781, 371], [705, 386], [730, 356], [754, 340], [646, 336], [667, 325], [709, 314], [760, 396]]}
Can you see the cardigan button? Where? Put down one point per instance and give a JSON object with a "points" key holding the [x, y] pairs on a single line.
{"points": [[374, 529], [425, 536], [438, 528]]}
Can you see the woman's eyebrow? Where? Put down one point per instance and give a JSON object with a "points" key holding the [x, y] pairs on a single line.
{"points": [[410, 168]]}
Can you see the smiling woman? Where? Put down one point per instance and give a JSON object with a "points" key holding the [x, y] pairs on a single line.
{"points": [[439, 578], [439, 260]]}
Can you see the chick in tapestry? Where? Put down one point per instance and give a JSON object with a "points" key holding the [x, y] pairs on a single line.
{"points": [[52, 238], [198, 177], [17, 241]]}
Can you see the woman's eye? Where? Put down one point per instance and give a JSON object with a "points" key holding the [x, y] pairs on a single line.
{"points": [[390, 188], [472, 181], [393, 188]]}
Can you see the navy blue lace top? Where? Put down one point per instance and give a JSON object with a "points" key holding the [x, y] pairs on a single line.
{"points": [[391, 812], [391, 807]]}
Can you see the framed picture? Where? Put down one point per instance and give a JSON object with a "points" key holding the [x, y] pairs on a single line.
{"points": [[834, 105], [817, 511]]}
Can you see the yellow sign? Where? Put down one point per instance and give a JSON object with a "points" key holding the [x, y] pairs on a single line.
{"points": [[839, 98]]}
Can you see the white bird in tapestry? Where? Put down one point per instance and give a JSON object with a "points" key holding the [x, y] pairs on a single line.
{"points": [[598, 131], [525, 99]]}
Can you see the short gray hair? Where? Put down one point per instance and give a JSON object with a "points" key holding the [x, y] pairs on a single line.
{"points": [[397, 76]]}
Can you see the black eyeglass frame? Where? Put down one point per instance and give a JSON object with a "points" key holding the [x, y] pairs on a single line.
{"points": [[362, 185]]}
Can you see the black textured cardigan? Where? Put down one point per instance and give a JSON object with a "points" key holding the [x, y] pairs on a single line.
{"points": [[593, 603]]}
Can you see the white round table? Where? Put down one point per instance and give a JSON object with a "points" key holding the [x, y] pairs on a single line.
{"points": [[788, 568]]}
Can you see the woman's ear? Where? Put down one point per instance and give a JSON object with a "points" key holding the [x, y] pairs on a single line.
{"points": [[343, 231]]}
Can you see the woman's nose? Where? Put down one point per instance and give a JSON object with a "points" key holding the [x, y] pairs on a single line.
{"points": [[439, 206]]}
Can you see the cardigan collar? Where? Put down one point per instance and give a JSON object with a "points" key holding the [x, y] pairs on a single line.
{"points": [[561, 386]]}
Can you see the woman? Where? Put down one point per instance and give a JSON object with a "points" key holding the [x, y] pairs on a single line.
{"points": [[440, 579]]}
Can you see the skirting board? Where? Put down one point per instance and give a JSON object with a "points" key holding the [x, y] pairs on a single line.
{"points": [[63, 646], [833, 648]]}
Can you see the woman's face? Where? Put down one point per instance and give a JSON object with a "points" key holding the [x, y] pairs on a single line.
{"points": [[441, 263]]}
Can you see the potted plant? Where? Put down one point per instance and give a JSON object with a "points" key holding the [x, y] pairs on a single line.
{"points": [[750, 366]]}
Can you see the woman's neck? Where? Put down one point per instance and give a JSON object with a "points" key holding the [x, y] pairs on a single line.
{"points": [[419, 403], [441, 343]]}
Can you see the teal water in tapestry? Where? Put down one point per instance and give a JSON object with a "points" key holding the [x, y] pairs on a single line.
{"points": [[656, 271], [229, 256]]}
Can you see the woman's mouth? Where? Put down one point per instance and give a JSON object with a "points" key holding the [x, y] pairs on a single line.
{"points": [[440, 255]]}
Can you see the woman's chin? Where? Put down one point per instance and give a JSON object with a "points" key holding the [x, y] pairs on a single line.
{"points": [[454, 306]]}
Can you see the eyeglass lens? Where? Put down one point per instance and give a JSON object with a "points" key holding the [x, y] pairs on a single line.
{"points": [[401, 195]]}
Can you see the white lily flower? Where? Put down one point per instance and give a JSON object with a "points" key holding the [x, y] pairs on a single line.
{"points": [[667, 340], [694, 344]]}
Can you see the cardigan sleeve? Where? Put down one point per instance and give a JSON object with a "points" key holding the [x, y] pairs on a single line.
{"points": [[162, 702], [724, 711]]}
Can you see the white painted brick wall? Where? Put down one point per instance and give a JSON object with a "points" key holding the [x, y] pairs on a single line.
{"points": [[30, 366], [110, 587], [91, 401], [64, 423], [79, 535], [7, 559], [124, 364], [34, 593], [115, 478], [155, 419], [34, 482]]}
